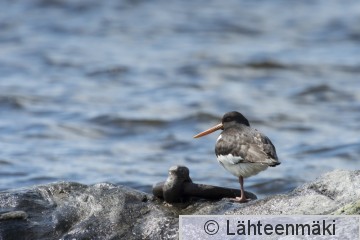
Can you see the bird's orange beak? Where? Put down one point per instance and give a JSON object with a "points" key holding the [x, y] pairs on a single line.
{"points": [[210, 130]]}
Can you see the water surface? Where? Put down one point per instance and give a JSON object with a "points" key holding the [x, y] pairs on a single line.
{"points": [[114, 91]]}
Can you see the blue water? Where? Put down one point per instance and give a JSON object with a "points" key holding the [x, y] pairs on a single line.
{"points": [[94, 91]]}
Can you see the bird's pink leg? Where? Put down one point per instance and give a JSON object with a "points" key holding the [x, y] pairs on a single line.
{"points": [[242, 198]]}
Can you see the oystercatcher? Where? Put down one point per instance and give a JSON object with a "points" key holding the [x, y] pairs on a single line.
{"points": [[242, 150]]}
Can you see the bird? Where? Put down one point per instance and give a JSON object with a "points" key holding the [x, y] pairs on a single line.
{"points": [[241, 150]]}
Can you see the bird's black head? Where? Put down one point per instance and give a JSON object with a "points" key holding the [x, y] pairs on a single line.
{"points": [[228, 120], [231, 118]]}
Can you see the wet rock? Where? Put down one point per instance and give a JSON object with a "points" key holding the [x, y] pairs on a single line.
{"points": [[76, 211], [105, 211]]}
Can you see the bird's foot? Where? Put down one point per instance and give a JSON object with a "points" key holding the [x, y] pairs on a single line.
{"points": [[240, 199]]}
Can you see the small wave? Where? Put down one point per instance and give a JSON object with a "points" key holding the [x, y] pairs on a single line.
{"points": [[346, 151], [78, 6], [109, 71], [348, 69], [170, 143], [219, 26], [19, 102], [40, 131], [268, 64], [189, 70], [297, 128], [13, 174], [81, 130], [262, 64], [43, 179], [13, 102], [109, 120], [321, 93], [4, 162], [200, 117]]}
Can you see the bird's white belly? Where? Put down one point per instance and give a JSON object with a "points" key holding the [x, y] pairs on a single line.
{"points": [[231, 163]]}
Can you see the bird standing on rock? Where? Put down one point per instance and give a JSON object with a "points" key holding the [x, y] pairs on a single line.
{"points": [[242, 150]]}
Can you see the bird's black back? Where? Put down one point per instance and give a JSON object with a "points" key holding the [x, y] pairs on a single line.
{"points": [[248, 143]]}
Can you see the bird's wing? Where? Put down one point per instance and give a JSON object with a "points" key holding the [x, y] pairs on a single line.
{"points": [[232, 143], [264, 143], [250, 147]]}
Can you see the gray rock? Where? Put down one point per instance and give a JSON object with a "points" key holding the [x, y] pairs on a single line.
{"points": [[71, 210], [325, 195], [104, 211]]}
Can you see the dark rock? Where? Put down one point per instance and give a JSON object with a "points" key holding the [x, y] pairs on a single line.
{"points": [[104, 211], [173, 187], [179, 187]]}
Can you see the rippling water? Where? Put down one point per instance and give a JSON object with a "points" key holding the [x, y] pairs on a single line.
{"points": [[114, 91]]}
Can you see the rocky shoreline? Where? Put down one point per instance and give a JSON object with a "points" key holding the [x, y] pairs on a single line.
{"points": [[67, 210]]}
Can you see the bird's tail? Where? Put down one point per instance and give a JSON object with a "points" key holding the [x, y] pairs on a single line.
{"points": [[274, 162]]}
